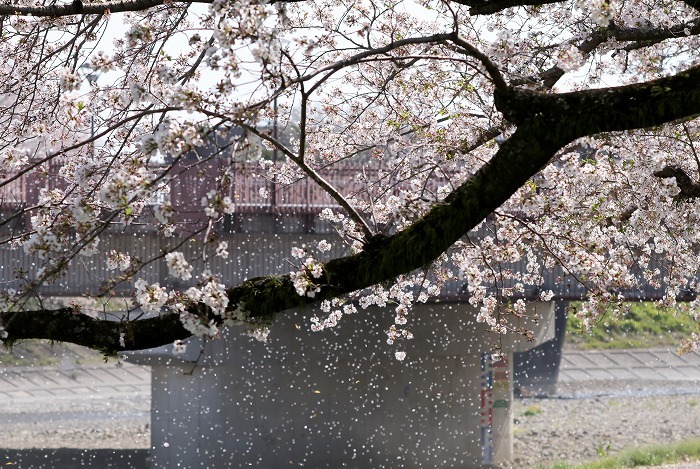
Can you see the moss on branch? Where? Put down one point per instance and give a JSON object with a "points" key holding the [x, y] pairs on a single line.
{"points": [[66, 325]]}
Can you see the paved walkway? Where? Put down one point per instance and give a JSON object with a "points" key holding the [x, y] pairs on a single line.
{"points": [[21, 384], [642, 365], [31, 393], [74, 402]]}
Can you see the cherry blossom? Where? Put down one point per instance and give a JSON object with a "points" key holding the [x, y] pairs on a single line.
{"points": [[178, 266], [487, 145]]}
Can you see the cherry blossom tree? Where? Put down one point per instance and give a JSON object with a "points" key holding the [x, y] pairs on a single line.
{"points": [[567, 130]]}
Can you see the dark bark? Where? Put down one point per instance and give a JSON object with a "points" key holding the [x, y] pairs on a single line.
{"points": [[489, 7], [93, 8], [608, 109], [634, 37], [689, 189], [66, 325], [476, 7], [692, 3]]}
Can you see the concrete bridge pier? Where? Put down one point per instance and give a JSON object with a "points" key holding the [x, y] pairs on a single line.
{"points": [[536, 370], [340, 398]]}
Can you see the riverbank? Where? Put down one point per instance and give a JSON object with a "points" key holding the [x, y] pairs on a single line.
{"points": [[577, 425], [105, 407], [587, 420]]}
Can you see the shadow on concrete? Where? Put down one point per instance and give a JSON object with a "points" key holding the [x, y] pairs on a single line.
{"points": [[73, 458]]}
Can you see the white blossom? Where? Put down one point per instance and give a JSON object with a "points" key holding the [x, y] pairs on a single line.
{"points": [[222, 249], [179, 347], [69, 81], [259, 334], [214, 295], [178, 267], [150, 297], [570, 59], [183, 138]]}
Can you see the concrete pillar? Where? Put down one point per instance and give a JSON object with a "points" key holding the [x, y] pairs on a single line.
{"points": [[339, 398], [536, 371]]}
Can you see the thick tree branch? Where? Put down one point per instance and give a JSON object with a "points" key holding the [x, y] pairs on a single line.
{"points": [[489, 7], [518, 158], [66, 325], [689, 189], [691, 28], [546, 123], [692, 3], [551, 76], [607, 109], [79, 8], [638, 37], [94, 8]]}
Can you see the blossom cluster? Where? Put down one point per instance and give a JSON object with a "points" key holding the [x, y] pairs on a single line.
{"points": [[152, 297], [118, 260], [215, 204], [305, 279], [335, 310], [297, 91], [178, 266]]}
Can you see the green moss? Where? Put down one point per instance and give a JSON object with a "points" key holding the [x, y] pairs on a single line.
{"points": [[532, 410], [654, 455]]}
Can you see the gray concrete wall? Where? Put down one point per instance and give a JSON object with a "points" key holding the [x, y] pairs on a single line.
{"points": [[337, 398]]}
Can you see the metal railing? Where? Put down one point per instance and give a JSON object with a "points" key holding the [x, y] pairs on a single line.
{"points": [[188, 186]]}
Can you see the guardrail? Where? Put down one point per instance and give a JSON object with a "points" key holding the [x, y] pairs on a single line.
{"points": [[190, 179]]}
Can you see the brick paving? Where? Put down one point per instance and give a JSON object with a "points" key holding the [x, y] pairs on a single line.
{"points": [[29, 383], [642, 365], [26, 390], [19, 384]]}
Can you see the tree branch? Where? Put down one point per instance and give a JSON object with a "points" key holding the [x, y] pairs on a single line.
{"points": [[79, 8], [490, 67], [489, 7], [546, 123], [637, 36], [67, 325], [95, 8], [607, 109], [689, 189], [517, 159]]}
